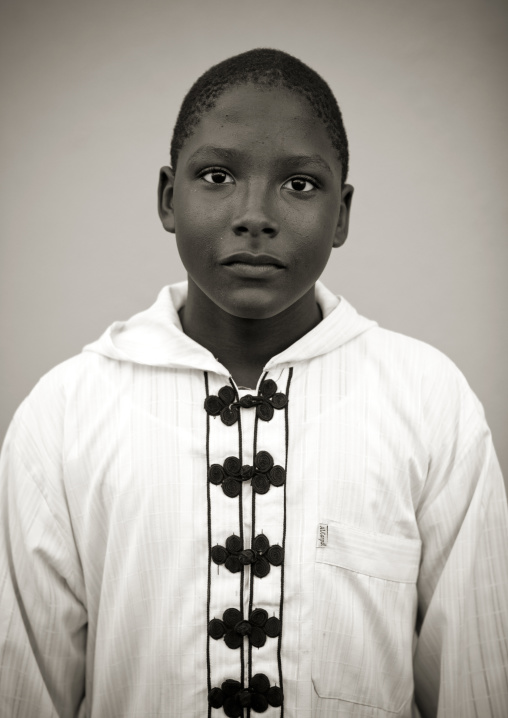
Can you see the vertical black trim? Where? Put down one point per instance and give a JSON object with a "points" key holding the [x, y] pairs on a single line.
{"points": [[209, 518], [281, 606], [253, 532], [253, 535], [240, 518]]}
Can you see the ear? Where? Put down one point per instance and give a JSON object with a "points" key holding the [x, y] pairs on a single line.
{"points": [[345, 211], [165, 198]]}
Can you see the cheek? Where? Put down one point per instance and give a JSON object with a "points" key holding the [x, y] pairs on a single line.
{"points": [[315, 218], [191, 229], [313, 237], [195, 251], [313, 259], [198, 219], [187, 214]]}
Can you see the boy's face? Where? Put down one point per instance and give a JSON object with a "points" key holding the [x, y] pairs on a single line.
{"points": [[256, 202]]}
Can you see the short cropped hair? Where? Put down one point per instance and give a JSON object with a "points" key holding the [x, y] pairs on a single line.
{"points": [[267, 68]]}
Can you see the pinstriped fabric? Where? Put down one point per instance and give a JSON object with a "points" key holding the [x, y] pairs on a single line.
{"points": [[401, 609]]}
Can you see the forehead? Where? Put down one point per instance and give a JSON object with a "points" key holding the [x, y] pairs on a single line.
{"points": [[263, 121]]}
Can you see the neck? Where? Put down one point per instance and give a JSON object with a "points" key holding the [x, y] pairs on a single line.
{"points": [[244, 346]]}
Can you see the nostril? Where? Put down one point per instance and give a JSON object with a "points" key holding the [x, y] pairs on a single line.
{"points": [[255, 228]]}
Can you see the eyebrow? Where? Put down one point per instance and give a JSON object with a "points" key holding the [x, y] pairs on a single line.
{"points": [[221, 152], [299, 160], [230, 153]]}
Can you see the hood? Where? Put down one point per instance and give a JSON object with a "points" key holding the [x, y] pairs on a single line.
{"points": [[155, 337]]}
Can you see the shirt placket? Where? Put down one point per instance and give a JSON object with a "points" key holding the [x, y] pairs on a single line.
{"points": [[246, 491]]}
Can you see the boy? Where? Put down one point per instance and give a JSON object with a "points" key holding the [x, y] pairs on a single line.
{"points": [[249, 499]]}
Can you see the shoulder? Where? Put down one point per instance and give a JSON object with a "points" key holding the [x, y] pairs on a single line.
{"points": [[64, 378], [78, 380], [450, 418], [403, 349], [414, 372], [411, 360]]}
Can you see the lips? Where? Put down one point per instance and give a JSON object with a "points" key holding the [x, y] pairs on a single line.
{"points": [[254, 260]]}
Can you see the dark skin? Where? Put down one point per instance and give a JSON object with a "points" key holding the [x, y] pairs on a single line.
{"points": [[257, 204]]}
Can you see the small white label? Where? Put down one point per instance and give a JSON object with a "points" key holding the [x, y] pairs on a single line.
{"points": [[322, 537]]}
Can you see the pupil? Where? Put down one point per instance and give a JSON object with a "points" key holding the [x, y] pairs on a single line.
{"points": [[218, 177], [298, 184]]}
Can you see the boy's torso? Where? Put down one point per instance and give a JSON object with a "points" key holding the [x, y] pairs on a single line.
{"points": [[135, 479]]}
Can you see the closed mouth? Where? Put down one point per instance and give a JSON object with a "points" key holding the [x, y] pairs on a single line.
{"points": [[252, 259]]}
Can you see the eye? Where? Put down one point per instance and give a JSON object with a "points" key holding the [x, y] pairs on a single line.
{"points": [[216, 176], [299, 184]]}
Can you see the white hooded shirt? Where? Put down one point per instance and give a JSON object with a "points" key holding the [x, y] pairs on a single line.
{"points": [[365, 576]]}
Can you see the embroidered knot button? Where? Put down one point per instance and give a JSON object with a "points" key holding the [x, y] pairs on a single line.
{"points": [[233, 628], [234, 698], [233, 555], [270, 399], [265, 555], [224, 404], [229, 554], [231, 474], [265, 473]]}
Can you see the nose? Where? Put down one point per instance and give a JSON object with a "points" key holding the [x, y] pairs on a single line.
{"points": [[255, 216]]}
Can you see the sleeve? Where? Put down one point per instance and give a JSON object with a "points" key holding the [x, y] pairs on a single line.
{"points": [[461, 656], [43, 619]]}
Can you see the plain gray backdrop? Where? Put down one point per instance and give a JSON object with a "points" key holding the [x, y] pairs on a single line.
{"points": [[90, 93]]}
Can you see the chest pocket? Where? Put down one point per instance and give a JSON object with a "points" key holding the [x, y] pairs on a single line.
{"points": [[364, 616]]}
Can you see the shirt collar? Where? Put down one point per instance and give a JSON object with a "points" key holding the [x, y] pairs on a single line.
{"points": [[155, 337]]}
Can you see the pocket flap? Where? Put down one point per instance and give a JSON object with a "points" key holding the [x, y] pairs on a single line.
{"points": [[392, 558]]}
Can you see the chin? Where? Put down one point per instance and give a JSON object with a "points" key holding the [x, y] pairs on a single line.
{"points": [[248, 304], [252, 312]]}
